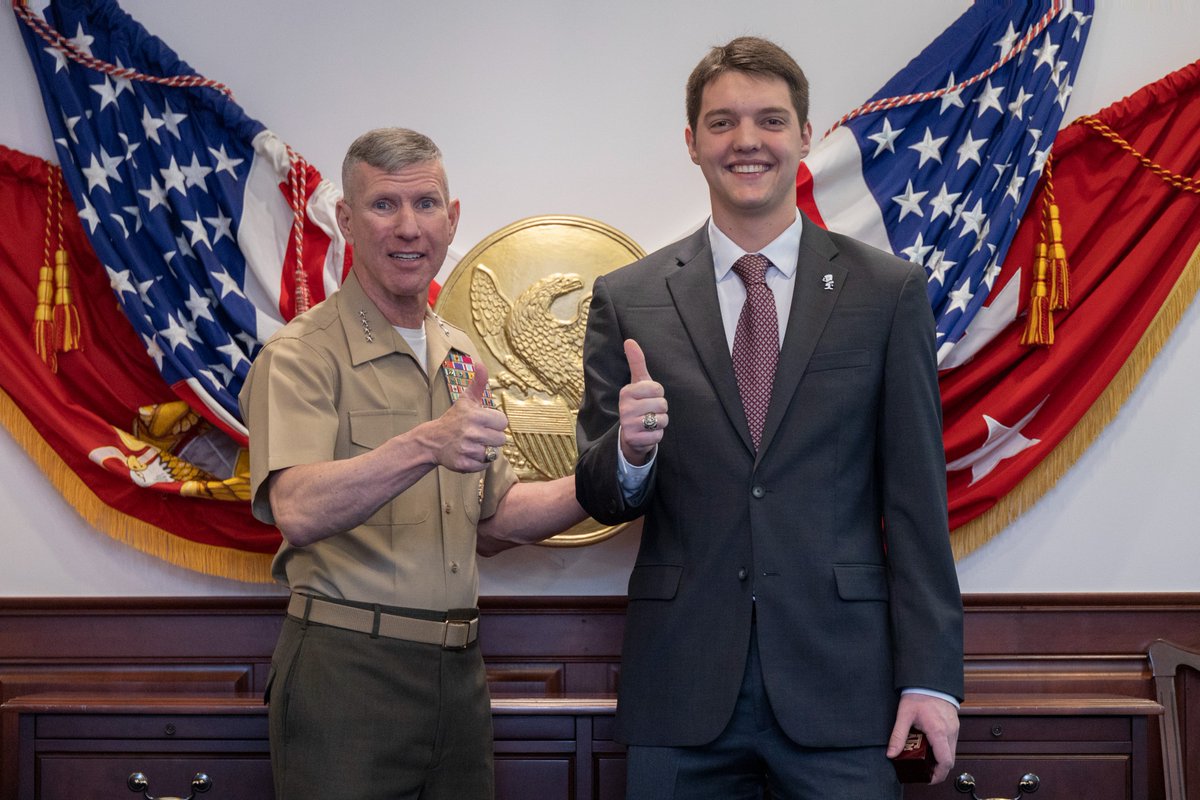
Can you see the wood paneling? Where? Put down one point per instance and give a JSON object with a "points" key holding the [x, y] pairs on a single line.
{"points": [[556, 646], [82, 745]]}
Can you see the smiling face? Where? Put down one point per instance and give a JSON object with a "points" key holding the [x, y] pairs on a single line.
{"points": [[400, 224], [748, 141]]}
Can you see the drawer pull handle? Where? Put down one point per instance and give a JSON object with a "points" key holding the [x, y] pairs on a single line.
{"points": [[138, 782], [1028, 784]]}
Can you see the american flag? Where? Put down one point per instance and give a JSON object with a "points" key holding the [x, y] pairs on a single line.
{"points": [[939, 166], [198, 212]]}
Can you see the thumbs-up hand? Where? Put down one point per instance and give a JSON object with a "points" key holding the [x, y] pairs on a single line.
{"points": [[642, 407], [467, 437]]}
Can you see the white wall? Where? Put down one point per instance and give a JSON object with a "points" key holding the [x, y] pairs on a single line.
{"points": [[542, 107]]}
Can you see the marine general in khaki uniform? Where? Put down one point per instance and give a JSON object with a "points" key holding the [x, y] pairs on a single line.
{"points": [[374, 450]]}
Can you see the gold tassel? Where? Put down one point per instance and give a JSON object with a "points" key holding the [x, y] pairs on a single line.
{"points": [[1051, 289], [1040, 329], [43, 319], [1060, 279], [66, 315]]}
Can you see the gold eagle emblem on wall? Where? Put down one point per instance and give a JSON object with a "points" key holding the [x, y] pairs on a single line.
{"points": [[523, 294], [541, 384]]}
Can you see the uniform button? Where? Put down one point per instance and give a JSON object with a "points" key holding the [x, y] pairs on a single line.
{"points": [[758, 493], [454, 566], [743, 573], [446, 508]]}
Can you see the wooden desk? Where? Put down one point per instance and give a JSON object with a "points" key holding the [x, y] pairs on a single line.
{"points": [[1079, 746], [74, 746]]}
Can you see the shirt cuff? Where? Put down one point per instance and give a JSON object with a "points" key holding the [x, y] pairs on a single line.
{"points": [[931, 693], [633, 479]]}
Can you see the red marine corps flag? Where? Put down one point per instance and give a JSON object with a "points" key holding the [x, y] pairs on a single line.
{"points": [[80, 394], [1122, 184]]}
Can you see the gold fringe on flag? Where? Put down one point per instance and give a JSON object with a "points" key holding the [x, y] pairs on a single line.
{"points": [[967, 538], [224, 562]]}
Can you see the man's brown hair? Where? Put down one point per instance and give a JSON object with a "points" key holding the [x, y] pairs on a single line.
{"points": [[754, 56]]}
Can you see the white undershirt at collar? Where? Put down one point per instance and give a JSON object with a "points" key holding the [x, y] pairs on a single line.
{"points": [[418, 341]]}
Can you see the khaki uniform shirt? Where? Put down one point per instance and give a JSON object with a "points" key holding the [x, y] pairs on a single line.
{"points": [[339, 381]]}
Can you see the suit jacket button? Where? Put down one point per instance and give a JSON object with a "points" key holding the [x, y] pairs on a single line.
{"points": [[743, 573], [758, 493]]}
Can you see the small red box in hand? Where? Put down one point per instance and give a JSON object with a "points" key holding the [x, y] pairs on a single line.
{"points": [[915, 762]]}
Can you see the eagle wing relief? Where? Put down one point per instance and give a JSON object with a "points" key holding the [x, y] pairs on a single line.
{"points": [[491, 311], [542, 385]]}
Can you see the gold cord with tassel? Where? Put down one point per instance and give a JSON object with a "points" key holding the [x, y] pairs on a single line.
{"points": [[1060, 278], [68, 331], [1040, 328], [1051, 289], [44, 332], [56, 324], [66, 316]]}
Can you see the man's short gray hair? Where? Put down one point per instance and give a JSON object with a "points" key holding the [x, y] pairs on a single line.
{"points": [[391, 150]]}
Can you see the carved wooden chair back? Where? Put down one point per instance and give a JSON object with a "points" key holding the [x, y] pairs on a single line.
{"points": [[1165, 660]]}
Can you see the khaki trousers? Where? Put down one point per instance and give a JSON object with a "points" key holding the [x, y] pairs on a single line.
{"points": [[355, 718]]}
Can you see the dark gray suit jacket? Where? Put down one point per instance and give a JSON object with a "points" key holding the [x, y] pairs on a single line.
{"points": [[837, 527]]}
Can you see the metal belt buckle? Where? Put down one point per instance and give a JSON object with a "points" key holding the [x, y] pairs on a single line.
{"points": [[457, 641]]}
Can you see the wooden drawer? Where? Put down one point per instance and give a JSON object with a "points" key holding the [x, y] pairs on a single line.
{"points": [[1091, 746], [166, 727], [78, 746], [1068, 777], [610, 776], [528, 776], [103, 776], [1025, 729]]}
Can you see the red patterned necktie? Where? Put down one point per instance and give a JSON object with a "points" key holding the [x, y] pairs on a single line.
{"points": [[756, 342]]}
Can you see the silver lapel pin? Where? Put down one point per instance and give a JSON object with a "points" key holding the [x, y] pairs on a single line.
{"points": [[828, 281]]}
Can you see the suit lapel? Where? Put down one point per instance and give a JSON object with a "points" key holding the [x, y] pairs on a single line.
{"points": [[812, 305], [694, 292]]}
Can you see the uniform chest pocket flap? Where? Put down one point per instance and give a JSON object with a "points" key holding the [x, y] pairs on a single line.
{"points": [[369, 429]]}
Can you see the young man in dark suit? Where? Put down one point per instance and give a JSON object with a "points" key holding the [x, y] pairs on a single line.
{"points": [[764, 393]]}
